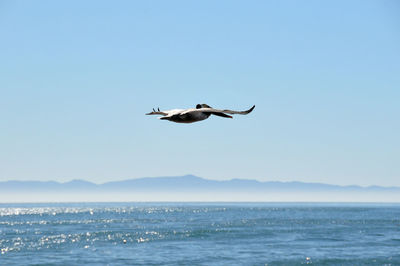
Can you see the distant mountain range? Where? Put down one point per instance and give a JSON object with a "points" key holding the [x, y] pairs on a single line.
{"points": [[181, 183], [189, 185]]}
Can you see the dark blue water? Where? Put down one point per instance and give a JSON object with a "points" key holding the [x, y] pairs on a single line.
{"points": [[199, 234]]}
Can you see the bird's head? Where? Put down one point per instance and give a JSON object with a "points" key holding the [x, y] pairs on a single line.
{"points": [[203, 105]]}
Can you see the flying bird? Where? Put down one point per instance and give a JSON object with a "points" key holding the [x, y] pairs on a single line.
{"points": [[201, 112]]}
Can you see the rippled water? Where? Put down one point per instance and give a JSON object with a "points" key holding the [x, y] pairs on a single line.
{"points": [[199, 234]]}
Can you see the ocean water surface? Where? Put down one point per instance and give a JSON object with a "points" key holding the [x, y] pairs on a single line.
{"points": [[199, 234]]}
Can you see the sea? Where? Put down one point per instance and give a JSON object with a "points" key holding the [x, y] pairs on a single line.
{"points": [[199, 234]]}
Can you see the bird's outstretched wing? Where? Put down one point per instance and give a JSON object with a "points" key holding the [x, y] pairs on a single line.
{"points": [[238, 112], [157, 112], [217, 111]]}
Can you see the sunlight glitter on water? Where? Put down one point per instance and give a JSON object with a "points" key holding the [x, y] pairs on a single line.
{"points": [[253, 235]]}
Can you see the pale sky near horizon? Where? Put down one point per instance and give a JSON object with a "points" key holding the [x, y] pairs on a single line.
{"points": [[77, 77]]}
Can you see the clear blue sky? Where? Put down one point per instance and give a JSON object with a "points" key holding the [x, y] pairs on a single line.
{"points": [[76, 78]]}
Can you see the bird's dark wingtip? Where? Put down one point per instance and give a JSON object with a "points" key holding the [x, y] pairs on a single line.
{"points": [[252, 108]]}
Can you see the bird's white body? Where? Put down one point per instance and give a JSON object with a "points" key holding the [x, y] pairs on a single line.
{"points": [[201, 112]]}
